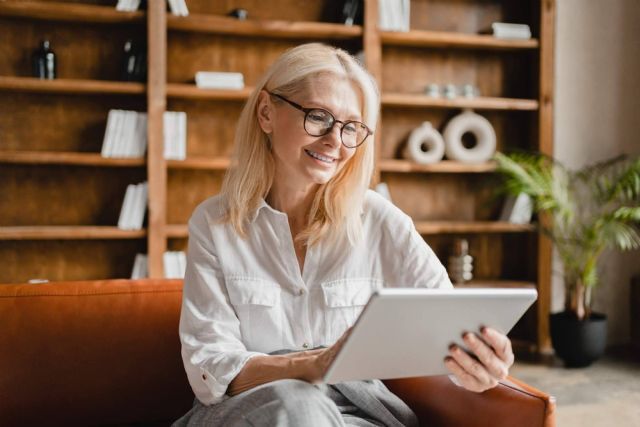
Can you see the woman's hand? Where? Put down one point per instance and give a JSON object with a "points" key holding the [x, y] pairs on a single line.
{"points": [[493, 358], [319, 360]]}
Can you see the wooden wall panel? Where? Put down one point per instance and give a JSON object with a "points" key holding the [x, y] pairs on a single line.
{"points": [[82, 51], [211, 126], [21, 261], [63, 195], [287, 10], [52, 122], [187, 189]]}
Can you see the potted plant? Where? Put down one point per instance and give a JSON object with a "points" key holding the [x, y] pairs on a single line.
{"points": [[583, 212]]}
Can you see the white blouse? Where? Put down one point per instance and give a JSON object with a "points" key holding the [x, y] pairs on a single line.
{"points": [[246, 297]]}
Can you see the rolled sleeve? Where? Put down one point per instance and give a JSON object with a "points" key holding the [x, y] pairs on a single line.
{"points": [[212, 349]]}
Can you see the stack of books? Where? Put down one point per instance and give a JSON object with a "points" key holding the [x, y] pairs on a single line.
{"points": [[140, 267], [125, 134], [134, 207], [393, 15], [175, 264], [219, 80], [127, 5], [503, 30], [178, 7], [175, 135]]}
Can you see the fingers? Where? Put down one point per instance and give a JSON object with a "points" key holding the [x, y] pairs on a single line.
{"points": [[500, 343], [496, 367], [472, 367], [466, 379]]}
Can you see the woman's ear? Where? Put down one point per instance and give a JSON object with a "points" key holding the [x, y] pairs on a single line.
{"points": [[265, 112]]}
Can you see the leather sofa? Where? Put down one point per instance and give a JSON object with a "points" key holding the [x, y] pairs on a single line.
{"points": [[107, 353]]}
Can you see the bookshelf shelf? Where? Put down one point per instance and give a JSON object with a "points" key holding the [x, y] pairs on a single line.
{"points": [[69, 86], [178, 231], [219, 163], [479, 103], [461, 227], [191, 91], [69, 12], [444, 166], [69, 233], [214, 24], [512, 284], [66, 158], [417, 38]]}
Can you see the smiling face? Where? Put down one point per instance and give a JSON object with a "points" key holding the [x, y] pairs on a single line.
{"points": [[304, 161]]}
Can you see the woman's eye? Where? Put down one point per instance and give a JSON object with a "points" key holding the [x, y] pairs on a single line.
{"points": [[319, 116], [350, 128]]}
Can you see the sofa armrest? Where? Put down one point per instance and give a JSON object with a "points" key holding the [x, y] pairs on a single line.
{"points": [[437, 401]]}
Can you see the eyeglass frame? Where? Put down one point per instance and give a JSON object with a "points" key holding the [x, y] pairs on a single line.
{"points": [[306, 112]]}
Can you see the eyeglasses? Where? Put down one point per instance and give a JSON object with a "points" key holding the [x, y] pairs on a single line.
{"points": [[319, 122]]}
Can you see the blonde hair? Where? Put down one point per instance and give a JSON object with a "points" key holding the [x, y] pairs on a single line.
{"points": [[337, 206]]}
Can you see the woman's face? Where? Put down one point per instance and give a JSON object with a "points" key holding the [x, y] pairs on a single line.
{"points": [[302, 160]]}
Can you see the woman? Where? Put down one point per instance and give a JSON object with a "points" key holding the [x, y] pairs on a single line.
{"points": [[283, 260]]}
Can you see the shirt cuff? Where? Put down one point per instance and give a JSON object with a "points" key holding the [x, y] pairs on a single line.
{"points": [[217, 386]]}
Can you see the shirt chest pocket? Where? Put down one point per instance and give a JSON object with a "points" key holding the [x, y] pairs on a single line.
{"points": [[258, 306], [344, 301]]}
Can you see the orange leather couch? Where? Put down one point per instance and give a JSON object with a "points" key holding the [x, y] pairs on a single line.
{"points": [[107, 353]]}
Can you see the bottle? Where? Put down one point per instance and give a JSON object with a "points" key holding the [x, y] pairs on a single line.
{"points": [[460, 263], [44, 61]]}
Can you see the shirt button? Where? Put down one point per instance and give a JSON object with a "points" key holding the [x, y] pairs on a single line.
{"points": [[300, 292], [305, 345]]}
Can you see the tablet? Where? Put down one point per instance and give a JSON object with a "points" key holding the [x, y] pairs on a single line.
{"points": [[406, 332]]}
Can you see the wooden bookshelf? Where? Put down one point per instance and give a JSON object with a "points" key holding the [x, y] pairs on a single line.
{"points": [[213, 24], [66, 158], [69, 12], [69, 86], [444, 39], [53, 130], [69, 233], [479, 103]]}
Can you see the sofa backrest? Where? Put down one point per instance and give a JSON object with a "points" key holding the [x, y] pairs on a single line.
{"points": [[91, 353]]}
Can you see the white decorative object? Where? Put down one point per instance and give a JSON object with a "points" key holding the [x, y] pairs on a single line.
{"points": [[433, 90], [450, 91], [460, 266], [485, 135], [504, 30], [425, 145], [517, 209]]}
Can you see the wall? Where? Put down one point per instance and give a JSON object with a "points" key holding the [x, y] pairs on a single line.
{"points": [[597, 116]]}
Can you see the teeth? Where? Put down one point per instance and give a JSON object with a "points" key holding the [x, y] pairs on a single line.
{"points": [[320, 157]]}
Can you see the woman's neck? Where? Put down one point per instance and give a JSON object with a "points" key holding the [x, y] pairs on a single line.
{"points": [[294, 201]]}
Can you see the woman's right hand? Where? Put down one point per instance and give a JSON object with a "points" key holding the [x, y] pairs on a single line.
{"points": [[319, 360]]}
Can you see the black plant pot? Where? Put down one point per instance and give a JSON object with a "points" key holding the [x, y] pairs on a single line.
{"points": [[578, 342]]}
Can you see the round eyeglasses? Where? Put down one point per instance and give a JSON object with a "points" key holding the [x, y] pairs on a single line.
{"points": [[319, 122]]}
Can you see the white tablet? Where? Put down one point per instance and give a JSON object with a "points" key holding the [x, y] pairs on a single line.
{"points": [[406, 332]]}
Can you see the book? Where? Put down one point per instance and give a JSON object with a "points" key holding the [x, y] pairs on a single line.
{"points": [[504, 30], [125, 210], [219, 80], [140, 267]]}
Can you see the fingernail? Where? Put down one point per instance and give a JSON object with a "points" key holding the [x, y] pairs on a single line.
{"points": [[484, 330]]}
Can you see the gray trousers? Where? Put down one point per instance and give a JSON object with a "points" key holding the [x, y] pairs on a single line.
{"points": [[298, 404]]}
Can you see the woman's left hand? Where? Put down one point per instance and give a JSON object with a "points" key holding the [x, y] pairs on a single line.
{"points": [[494, 357]]}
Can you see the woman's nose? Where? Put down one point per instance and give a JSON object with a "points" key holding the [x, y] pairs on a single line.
{"points": [[333, 138]]}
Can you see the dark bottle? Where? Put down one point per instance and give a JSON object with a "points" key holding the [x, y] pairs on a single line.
{"points": [[134, 66], [44, 61]]}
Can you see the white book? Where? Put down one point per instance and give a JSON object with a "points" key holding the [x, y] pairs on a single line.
{"points": [[140, 267], [407, 15], [169, 130], [385, 21], [140, 206], [107, 141], [221, 85], [184, 11], [182, 262], [119, 134], [125, 210], [504, 30], [171, 267], [141, 135], [182, 136], [131, 142], [173, 5], [121, 6]]}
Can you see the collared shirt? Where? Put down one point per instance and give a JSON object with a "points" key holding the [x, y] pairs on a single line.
{"points": [[247, 297]]}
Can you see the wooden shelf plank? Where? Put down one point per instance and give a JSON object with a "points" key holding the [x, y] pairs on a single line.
{"points": [[177, 231], [450, 227], [481, 283], [418, 38], [216, 163], [186, 90], [479, 103], [216, 24], [72, 86], [69, 233], [443, 166], [69, 12], [66, 158]]}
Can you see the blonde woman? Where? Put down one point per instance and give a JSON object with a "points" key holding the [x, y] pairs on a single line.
{"points": [[281, 263]]}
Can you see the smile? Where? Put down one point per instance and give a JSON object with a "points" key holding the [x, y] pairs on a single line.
{"points": [[320, 157]]}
